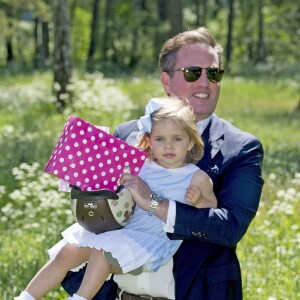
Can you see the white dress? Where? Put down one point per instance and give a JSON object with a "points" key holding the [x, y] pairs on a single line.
{"points": [[142, 242]]}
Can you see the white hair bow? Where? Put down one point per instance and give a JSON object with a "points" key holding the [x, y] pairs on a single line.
{"points": [[145, 122]]}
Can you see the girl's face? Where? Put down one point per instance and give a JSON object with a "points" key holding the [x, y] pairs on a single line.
{"points": [[169, 144]]}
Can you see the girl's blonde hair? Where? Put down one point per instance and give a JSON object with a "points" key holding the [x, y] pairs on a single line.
{"points": [[182, 114]]}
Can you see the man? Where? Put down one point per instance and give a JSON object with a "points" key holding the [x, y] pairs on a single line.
{"points": [[206, 265]]}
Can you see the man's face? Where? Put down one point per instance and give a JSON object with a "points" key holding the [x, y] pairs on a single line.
{"points": [[202, 94]]}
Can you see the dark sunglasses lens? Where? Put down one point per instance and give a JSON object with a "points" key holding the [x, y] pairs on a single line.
{"points": [[192, 74], [214, 74]]}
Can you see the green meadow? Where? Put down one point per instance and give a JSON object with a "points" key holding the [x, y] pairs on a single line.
{"points": [[33, 212]]}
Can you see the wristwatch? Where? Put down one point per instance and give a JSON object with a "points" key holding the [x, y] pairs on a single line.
{"points": [[155, 199]]}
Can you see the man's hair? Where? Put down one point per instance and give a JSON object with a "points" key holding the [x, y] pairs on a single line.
{"points": [[200, 35], [182, 114]]}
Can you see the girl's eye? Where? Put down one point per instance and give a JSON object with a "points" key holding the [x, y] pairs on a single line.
{"points": [[158, 139], [178, 139]]}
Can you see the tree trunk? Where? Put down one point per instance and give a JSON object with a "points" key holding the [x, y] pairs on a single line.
{"points": [[176, 17], [9, 44], [62, 53], [261, 47], [93, 38], [45, 53], [229, 34], [106, 42]]}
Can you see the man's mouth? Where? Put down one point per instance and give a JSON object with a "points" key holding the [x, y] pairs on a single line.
{"points": [[201, 95]]}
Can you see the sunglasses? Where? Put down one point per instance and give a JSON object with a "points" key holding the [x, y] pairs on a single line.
{"points": [[192, 74]]}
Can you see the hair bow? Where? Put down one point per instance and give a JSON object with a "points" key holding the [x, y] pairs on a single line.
{"points": [[145, 122]]}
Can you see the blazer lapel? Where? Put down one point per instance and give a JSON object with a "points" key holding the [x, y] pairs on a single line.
{"points": [[213, 137]]}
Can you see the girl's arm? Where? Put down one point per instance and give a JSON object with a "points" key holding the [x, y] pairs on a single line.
{"points": [[200, 192]]}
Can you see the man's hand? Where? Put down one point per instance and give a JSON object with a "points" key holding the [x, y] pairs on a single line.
{"points": [[138, 188], [141, 195]]}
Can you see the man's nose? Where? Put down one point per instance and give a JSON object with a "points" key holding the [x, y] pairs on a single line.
{"points": [[202, 80]]}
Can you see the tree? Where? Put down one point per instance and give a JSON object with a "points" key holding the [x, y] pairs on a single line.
{"points": [[229, 34], [93, 38], [62, 66], [176, 16]]}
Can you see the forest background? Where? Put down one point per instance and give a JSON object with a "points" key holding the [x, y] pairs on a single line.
{"points": [[97, 59]]}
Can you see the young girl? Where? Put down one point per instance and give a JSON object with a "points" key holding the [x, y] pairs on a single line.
{"points": [[171, 139]]}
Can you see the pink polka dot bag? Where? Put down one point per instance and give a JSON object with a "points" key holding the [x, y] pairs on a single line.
{"points": [[92, 159]]}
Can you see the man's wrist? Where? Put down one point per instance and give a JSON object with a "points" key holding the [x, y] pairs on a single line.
{"points": [[155, 199]]}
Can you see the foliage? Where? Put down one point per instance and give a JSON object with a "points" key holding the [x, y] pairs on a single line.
{"points": [[136, 31], [33, 213]]}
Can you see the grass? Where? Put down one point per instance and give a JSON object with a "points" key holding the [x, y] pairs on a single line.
{"points": [[33, 213]]}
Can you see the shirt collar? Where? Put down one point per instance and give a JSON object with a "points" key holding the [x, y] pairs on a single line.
{"points": [[201, 125]]}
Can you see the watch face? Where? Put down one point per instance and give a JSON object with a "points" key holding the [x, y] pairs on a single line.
{"points": [[156, 197]]}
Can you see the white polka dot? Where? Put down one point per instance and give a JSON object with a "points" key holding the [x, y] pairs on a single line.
{"points": [[90, 129], [132, 151], [143, 157], [92, 168], [113, 179], [90, 159], [117, 158], [100, 134], [105, 182], [103, 144], [103, 173], [84, 171], [75, 174], [78, 153], [122, 146], [111, 170], [126, 163], [59, 152], [70, 156], [136, 169], [55, 172], [78, 123], [100, 165], [97, 185], [108, 161], [67, 177], [86, 180], [124, 155], [119, 167], [87, 150], [93, 138], [95, 147], [61, 160], [73, 166], [64, 169], [84, 141], [89, 188], [98, 155], [76, 144], [106, 152], [67, 148], [134, 160], [78, 183], [111, 141], [81, 162], [81, 132], [95, 177], [114, 149], [73, 135]]}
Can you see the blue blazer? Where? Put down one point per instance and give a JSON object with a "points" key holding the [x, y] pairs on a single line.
{"points": [[206, 266]]}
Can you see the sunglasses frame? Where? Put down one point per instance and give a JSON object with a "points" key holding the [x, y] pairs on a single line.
{"points": [[197, 71]]}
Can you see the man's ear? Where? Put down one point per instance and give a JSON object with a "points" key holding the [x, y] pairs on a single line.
{"points": [[165, 80]]}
